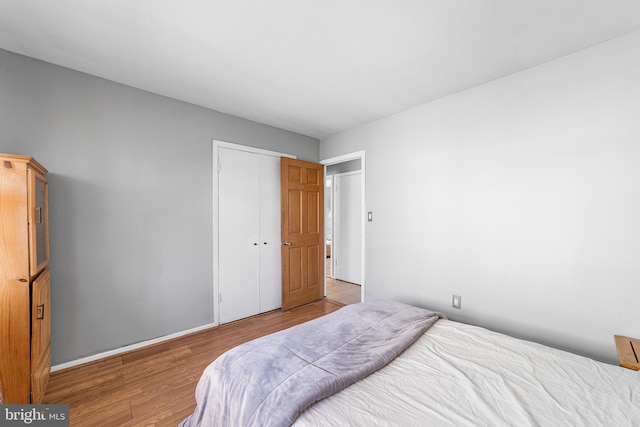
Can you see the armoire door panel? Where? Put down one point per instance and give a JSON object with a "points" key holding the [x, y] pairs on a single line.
{"points": [[40, 377], [38, 218], [40, 317]]}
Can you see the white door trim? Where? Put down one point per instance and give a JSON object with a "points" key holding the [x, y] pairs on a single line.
{"points": [[217, 144], [341, 159]]}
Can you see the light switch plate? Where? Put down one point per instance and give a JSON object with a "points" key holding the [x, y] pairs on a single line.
{"points": [[456, 301]]}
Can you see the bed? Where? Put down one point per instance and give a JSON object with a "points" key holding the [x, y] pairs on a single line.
{"points": [[385, 363]]}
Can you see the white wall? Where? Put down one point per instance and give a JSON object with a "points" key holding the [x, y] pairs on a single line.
{"points": [[521, 195], [131, 211]]}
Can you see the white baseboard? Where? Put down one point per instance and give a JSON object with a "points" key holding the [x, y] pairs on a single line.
{"points": [[128, 348]]}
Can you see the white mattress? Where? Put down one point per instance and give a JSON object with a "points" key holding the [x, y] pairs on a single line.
{"points": [[463, 375]]}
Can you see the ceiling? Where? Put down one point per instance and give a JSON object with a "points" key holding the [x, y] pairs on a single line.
{"points": [[316, 67]]}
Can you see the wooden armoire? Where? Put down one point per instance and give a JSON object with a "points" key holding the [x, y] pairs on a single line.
{"points": [[25, 309]]}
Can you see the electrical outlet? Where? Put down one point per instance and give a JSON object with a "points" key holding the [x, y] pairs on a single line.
{"points": [[456, 302]]}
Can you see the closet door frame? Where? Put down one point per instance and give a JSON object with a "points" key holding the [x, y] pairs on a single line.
{"points": [[217, 144]]}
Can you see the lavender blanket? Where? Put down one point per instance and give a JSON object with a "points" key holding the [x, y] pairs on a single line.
{"points": [[271, 380]]}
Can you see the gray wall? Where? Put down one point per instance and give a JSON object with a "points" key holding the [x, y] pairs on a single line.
{"points": [[521, 195], [130, 200]]}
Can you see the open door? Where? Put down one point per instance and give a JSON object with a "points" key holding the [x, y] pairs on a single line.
{"points": [[302, 205]]}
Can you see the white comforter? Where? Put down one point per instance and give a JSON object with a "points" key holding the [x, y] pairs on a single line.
{"points": [[462, 375]]}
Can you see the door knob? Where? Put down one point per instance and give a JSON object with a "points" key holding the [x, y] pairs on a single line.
{"points": [[286, 243]]}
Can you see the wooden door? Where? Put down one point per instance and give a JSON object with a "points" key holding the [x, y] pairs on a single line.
{"points": [[302, 205]]}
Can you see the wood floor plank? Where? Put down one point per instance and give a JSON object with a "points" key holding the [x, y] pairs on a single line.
{"points": [[104, 414], [155, 385]]}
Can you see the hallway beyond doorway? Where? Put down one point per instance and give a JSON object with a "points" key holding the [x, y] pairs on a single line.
{"points": [[343, 292]]}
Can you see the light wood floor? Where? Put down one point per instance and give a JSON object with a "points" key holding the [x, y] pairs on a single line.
{"points": [[156, 385], [341, 291]]}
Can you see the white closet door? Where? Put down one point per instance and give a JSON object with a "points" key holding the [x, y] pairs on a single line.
{"points": [[347, 236], [239, 234], [270, 253]]}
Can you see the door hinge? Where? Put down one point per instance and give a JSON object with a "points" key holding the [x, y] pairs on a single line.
{"points": [[219, 167], [220, 297]]}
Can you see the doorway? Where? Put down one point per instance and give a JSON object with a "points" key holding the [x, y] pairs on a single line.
{"points": [[344, 227]]}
